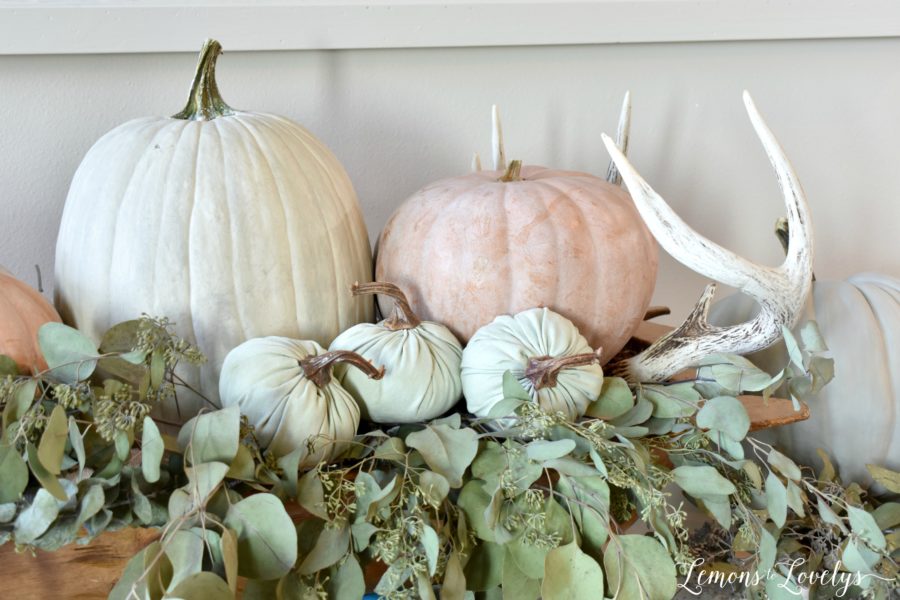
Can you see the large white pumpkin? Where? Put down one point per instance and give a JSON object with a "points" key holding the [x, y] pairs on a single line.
{"points": [[232, 224], [856, 417]]}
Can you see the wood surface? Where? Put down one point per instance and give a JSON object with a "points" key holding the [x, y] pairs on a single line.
{"points": [[90, 571]]}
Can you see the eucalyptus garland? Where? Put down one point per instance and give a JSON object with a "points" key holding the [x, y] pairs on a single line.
{"points": [[520, 504]]}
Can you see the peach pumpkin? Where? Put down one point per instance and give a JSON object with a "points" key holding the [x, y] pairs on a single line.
{"points": [[22, 312], [470, 248]]}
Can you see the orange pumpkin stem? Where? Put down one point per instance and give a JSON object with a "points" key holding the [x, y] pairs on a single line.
{"points": [[318, 369], [402, 315], [513, 172], [543, 371]]}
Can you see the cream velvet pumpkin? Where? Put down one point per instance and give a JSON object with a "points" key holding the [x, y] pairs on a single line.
{"points": [[421, 363], [544, 351], [232, 224], [856, 417], [22, 312], [285, 389], [469, 248]]}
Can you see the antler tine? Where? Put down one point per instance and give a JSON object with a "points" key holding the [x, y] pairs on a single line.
{"points": [[612, 173], [781, 292], [499, 155]]}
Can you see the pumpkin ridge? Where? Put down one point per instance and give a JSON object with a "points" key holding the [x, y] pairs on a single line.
{"points": [[264, 158], [124, 197], [290, 130]]}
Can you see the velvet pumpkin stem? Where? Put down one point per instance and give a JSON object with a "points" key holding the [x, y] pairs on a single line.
{"points": [[205, 103], [543, 371], [402, 316], [513, 173], [318, 368]]}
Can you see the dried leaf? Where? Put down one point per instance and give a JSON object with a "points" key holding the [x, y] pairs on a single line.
{"points": [[152, 449], [71, 355], [267, 539], [447, 451]]}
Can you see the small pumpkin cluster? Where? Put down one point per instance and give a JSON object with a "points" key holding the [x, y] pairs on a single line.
{"points": [[298, 396]]}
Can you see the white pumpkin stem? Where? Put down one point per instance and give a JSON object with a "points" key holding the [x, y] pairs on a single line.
{"points": [[499, 154], [543, 371], [624, 129], [476, 163], [402, 315], [318, 368], [780, 291], [513, 173], [204, 102]]}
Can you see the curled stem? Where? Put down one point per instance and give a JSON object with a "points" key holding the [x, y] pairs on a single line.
{"points": [[543, 371], [402, 315], [318, 368], [204, 102]]}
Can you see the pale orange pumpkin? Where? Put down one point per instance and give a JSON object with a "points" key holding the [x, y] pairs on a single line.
{"points": [[469, 248], [22, 312]]}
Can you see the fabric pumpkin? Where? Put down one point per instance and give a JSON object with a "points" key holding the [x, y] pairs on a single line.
{"points": [[544, 351], [22, 312], [421, 363], [468, 248], [232, 224], [285, 389], [856, 417]]}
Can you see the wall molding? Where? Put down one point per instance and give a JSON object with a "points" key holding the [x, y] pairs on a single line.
{"points": [[136, 26]]}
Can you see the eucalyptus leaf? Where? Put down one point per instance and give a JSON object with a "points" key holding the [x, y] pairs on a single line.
{"points": [[447, 451], [21, 401], [785, 466], [858, 558], [639, 413], [614, 401], [484, 569], [570, 573], [230, 558], [311, 494], [517, 584], [776, 499], [152, 449], [863, 524], [504, 408], [267, 539], [8, 511], [392, 448], [362, 533], [434, 486], [513, 389], [795, 499], [886, 477], [211, 437], [432, 545], [332, 545], [639, 567], [702, 481], [793, 349], [203, 479], [71, 355], [671, 401], [46, 479], [91, 503], [130, 576], [720, 508], [829, 516], [202, 586], [53, 440], [8, 366], [34, 520], [454, 587], [347, 581], [77, 443], [887, 516], [725, 414], [185, 549], [767, 552], [13, 474], [541, 450]]}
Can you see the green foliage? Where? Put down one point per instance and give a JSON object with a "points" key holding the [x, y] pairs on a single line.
{"points": [[523, 504]]}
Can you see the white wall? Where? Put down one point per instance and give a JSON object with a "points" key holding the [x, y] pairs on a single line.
{"points": [[401, 118]]}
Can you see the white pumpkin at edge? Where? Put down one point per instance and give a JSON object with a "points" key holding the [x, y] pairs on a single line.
{"points": [[286, 390], [546, 354], [232, 224], [856, 417], [421, 362]]}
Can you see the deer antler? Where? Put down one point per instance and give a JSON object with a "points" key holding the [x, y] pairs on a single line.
{"points": [[612, 173], [780, 291]]}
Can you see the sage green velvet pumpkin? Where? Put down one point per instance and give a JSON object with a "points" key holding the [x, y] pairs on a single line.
{"points": [[544, 351], [856, 417], [421, 362], [232, 224], [285, 389]]}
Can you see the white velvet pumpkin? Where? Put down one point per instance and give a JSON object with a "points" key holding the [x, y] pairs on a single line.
{"points": [[232, 224], [856, 417], [285, 389], [527, 344], [421, 362]]}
